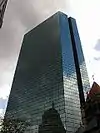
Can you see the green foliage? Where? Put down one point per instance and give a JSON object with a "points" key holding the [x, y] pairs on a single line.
{"points": [[13, 126]]}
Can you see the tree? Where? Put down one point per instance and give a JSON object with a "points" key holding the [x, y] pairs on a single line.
{"points": [[1, 121], [13, 125]]}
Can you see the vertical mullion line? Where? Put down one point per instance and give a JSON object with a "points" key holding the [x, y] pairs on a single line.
{"points": [[78, 73]]}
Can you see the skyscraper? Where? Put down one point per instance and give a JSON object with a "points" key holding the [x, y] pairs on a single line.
{"points": [[50, 68], [3, 4]]}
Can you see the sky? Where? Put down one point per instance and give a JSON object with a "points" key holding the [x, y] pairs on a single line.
{"points": [[23, 15]]}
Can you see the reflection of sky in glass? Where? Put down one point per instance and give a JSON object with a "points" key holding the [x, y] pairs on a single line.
{"points": [[72, 103], [38, 78], [81, 60], [46, 73]]}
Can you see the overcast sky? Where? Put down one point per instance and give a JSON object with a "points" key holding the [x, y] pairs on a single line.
{"points": [[23, 15]]}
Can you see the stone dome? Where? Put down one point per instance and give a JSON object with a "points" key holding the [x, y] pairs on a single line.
{"points": [[51, 122]]}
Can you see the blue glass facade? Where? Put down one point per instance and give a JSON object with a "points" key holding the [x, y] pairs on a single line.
{"points": [[71, 94], [45, 73], [79, 55]]}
